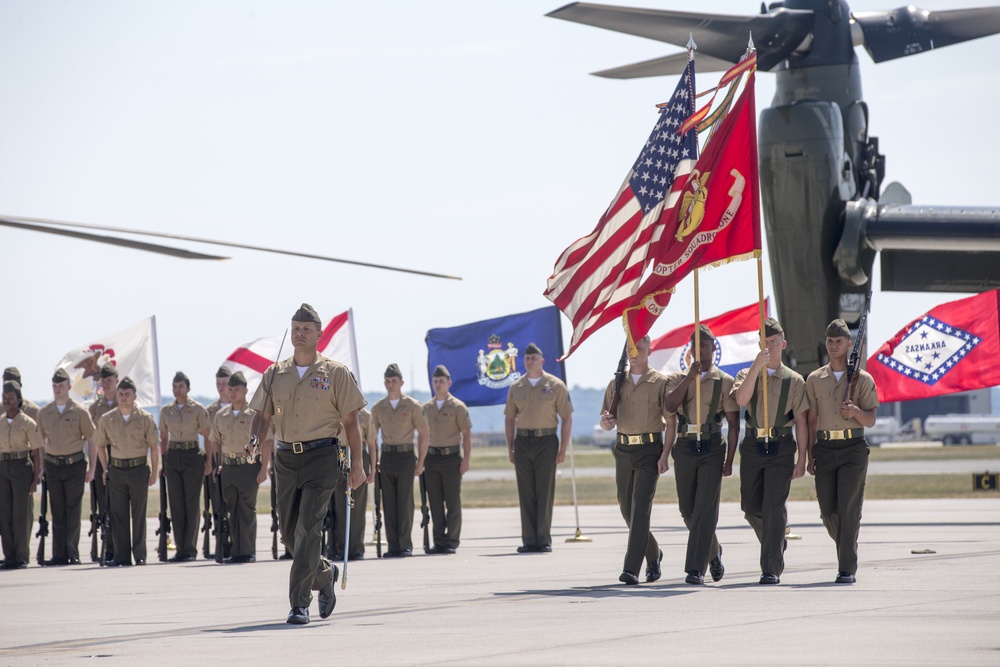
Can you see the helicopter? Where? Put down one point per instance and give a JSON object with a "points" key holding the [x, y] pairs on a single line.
{"points": [[821, 172]]}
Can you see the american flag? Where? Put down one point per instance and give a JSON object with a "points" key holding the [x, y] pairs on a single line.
{"points": [[596, 277]]}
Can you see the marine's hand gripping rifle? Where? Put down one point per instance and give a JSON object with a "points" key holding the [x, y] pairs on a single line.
{"points": [[854, 360], [252, 449]]}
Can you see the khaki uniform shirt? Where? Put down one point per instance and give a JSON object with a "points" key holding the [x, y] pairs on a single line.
{"points": [[232, 430], [448, 422], [398, 425], [21, 434], [65, 433], [184, 422], [101, 407], [30, 408], [796, 402], [214, 408], [539, 406], [128, 440], [726, 401], [365, 424], [640, 406], [826, 393], [310, 407]]}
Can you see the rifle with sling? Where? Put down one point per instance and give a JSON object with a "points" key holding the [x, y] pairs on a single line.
{"points": [[378, 509], [43, 523], [221, 520], [206, 520], [274, 516], [619, 380], [425, 515], [95, 519], [163, 531], [854, 361], [105, 522]]}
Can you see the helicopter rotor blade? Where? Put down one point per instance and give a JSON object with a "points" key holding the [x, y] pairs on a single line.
{"points": [[906, 31], [111, 240], [665, 66], [195, 239], [776, 34]]}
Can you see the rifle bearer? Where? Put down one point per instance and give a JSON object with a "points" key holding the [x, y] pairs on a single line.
{"points": [[769, 458], [66, 427], [842, 403], [701, 459]]}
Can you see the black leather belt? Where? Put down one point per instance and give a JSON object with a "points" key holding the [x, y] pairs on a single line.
{"points": [[444, 451], [61, 461], [706, 429], [396, 449], [14, 456], [842, 434], [306, 446], [187, 444], [639, 439], [769, 433], [125, 464], [234, 460], [536, 432]]}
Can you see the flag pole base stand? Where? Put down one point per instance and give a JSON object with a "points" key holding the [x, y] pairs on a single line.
{"points": [[579, 537], [789, 535], [372, 543]]}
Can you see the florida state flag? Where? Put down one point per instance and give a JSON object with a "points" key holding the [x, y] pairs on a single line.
{"points": [[954, 347], [717, 219]]}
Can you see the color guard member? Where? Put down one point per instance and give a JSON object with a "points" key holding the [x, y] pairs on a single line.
{"points": [[20, 471], [106, 401]]}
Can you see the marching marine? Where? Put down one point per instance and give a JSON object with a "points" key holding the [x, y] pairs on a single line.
{"points": [[769, 458], [20, 471]]}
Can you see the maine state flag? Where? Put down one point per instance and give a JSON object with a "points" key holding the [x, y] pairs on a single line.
{"points": [[484, 358]]}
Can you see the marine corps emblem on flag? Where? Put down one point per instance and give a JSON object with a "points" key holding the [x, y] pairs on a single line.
{"points": [[929, 349], [693, 204], [497, 368]]}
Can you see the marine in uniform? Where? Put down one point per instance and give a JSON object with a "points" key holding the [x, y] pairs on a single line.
{"points": [[66, 427], [211, 466], [20, 470], [448, 452], [640, 456], [701, 459], [356, 546], [839, 455], [536, 444], [31, 409], [310, 399], [184, 464], [127, 445], [231, 431], [106, 401], [222, 387], [769, 457], [398, 417]]}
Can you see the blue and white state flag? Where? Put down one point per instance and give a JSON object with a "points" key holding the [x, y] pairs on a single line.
{"points": [[484, 358]]}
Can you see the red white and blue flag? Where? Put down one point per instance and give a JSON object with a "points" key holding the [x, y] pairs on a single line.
{"points": [[596, 277], [954, 347], [737, 342], [337, 343]]}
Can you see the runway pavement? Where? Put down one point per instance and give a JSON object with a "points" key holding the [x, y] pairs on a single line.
{"points": [[488, 605]]}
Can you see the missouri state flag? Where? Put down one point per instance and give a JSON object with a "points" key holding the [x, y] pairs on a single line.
{"points": [[337, 343], [485, 358], [954, 347], [737, 342]]}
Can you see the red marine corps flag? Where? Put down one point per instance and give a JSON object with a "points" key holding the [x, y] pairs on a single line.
{"points": [[954, 347], [717, 219]]}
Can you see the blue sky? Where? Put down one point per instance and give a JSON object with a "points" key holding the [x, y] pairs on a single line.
{"points": [[458, 137]]}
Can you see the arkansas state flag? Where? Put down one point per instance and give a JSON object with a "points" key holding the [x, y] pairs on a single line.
{"points": [[717, 219], [337, 343], [132, 351], [954, 347], [737, 342]]}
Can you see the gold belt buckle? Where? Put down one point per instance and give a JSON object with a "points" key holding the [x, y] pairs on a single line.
{"points": [[297, 448], [635, 439], [763, 433], [837, 435], [693, 429]]}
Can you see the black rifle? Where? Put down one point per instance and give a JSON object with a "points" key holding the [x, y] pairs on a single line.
{"points": [[105, 523], [221, 520], [274, 516], [378, 509], [619, 379], [95, 519], [43, 523], [164, 529], [854, 360], [425, 515], [206, 520]]}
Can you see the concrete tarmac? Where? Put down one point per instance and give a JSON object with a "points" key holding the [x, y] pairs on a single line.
{"points": [[488, 605]]}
